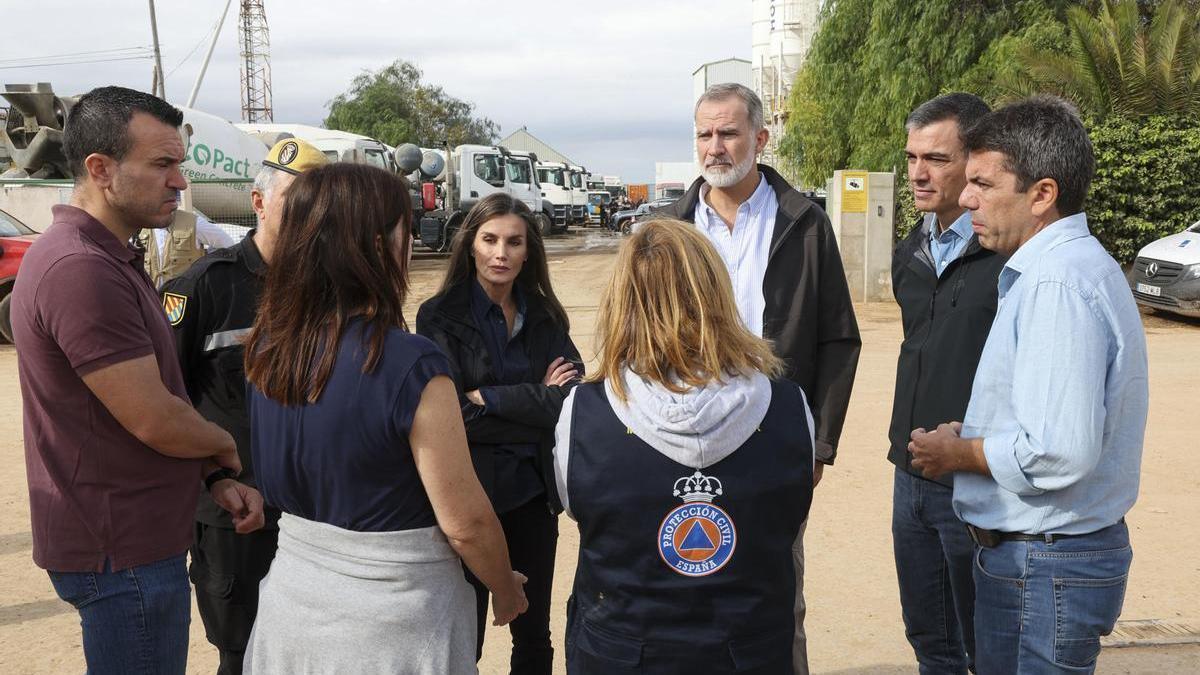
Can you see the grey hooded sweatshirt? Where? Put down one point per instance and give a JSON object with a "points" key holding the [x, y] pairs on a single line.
{"points": [[697, 428]]}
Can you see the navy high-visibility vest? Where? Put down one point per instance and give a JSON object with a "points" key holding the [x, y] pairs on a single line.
{"points": [[683, 569]]}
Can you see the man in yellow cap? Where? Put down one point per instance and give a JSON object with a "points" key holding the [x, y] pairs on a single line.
{"points": [[211, 307]]}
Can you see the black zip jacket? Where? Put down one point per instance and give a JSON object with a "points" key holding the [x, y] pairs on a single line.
{"points": [[809, 318], [946, 322], [220, 292], [522, 413]]}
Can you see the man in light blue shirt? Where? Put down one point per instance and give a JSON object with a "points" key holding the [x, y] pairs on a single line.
{"points": [[1046, 463]]}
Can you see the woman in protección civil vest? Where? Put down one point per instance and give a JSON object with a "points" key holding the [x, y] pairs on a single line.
{"points": [[688, 467]]}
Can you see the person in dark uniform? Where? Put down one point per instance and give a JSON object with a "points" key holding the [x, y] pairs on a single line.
{"points": [[212, 307], [687, 462], [498, 321]]}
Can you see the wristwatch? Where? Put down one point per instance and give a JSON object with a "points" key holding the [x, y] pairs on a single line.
{"points": [[220, 474]]}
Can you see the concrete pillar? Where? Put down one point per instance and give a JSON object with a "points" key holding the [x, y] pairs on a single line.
{"points": [[861, 206]]}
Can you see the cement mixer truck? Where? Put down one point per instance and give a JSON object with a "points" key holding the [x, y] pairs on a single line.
{"points": [[453, 180], [338, 146], [32, 137]]}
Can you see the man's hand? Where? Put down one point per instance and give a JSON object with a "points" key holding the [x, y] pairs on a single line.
{"points": [[942, 451], [475, 397], [818, 471], [229, 460], [244, 504]]}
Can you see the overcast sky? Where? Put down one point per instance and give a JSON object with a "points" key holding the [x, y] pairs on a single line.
{"points": [[609, 83]]}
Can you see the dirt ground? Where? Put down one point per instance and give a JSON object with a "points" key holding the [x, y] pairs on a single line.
{"points": [[853, 621]]}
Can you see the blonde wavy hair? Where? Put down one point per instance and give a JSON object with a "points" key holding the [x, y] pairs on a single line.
{"points": [[669, 315]]}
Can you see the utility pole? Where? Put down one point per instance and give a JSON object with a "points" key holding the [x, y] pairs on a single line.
{"points": [[255, 44], [208, 57], [159, 86]]}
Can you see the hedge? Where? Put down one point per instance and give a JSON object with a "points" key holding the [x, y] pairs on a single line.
{"points": [[1147, 182]]}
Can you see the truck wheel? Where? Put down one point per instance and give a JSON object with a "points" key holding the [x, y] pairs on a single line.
{"points": [[544, 223], [5, 321]]}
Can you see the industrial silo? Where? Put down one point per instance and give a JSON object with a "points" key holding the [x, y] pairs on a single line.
{"points": [[781, 33], [761, 73]]}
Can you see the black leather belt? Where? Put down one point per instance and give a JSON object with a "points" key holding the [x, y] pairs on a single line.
{"points": [[992, 538]]}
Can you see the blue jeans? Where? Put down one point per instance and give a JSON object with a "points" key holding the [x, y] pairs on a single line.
{"points": [[934, 556], [1041, 608], [134, 620]]}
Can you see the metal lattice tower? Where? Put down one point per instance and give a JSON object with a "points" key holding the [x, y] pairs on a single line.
{"points": [[255, 44]]}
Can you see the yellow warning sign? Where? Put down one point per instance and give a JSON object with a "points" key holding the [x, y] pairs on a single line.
{"points": [[854, 192]]}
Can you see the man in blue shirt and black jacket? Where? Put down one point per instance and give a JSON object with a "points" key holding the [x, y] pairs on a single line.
{"points": [[945, 284]]}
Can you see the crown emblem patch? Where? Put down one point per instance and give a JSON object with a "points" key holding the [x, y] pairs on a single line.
{"points": [[698, 537]]}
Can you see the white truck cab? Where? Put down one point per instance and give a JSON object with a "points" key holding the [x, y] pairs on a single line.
{"points": [[338, 146], [522, 181], [615, 187], [579, 190], [526, 187], [555, 180], [480, 170]]}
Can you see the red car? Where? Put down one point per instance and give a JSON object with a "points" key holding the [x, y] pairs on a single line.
{"points": [[15, 237]]}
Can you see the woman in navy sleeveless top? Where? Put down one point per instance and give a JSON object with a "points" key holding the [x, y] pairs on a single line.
{"points": [[689, 470], [498, 321], [357, 439]]}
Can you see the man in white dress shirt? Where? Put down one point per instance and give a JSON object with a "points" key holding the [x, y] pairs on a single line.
{"points": [[786, 271]]}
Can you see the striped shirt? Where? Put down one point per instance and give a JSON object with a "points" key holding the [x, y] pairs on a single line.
{"points": [[745, 248]]}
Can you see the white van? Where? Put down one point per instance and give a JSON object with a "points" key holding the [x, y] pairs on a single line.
{"points": [[1166, 274]]}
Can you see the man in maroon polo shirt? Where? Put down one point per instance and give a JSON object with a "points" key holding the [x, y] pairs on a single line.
{"points": [[114, 452]]}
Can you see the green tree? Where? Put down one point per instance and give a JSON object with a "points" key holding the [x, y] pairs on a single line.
{"points": [[395, 106], [873, 61], [1119, 63]]}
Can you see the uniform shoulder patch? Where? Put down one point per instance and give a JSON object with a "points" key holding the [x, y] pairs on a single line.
{"points": [[174, 305]]}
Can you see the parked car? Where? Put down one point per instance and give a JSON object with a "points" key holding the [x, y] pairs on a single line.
{"points": [[619, 219], [645, 212], [1166, 274], [15, 237]]}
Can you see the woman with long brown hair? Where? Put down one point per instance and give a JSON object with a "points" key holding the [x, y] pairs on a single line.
{"points": [[505, 333], [688, 466], [357, 440]]}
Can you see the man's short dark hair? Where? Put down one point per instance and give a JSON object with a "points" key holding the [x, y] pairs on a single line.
{"points": [[99, 122], [965, 109], [1040, 137]]}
